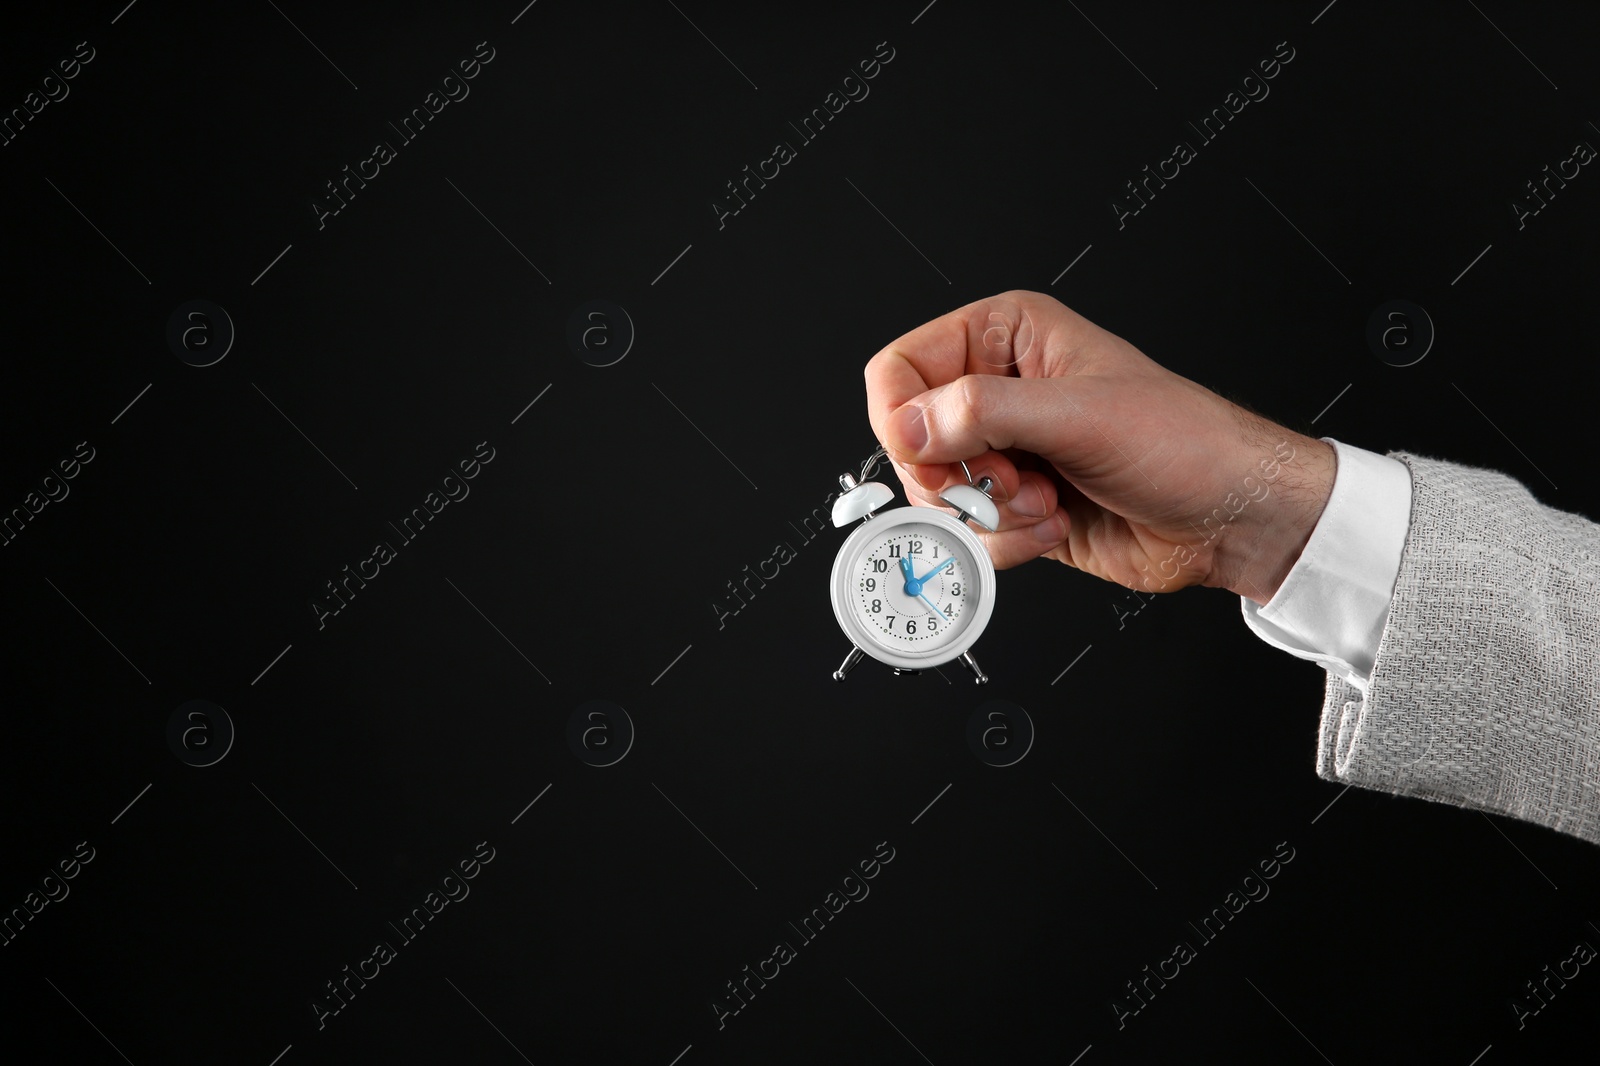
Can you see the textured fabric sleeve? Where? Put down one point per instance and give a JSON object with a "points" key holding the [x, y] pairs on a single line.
{"points": [[1332, 604], [1485, 692]]}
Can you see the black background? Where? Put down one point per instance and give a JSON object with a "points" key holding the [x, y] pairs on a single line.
{"points": [[420, 721]]}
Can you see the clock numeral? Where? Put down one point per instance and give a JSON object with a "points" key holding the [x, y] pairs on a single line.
{"points": [[891, 621], [877, 606], [894, 551], [933, 623], [915, 548], [936, 551], [911, 626], [955, 588], [947, 609], [872, 584], [880, 566]]}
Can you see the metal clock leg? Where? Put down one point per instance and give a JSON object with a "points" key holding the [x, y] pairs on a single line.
{"points": [[849, 663], [966, 659]]}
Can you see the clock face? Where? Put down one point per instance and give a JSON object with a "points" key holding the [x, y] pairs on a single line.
{"points": [[909, 586], [913, 587]]}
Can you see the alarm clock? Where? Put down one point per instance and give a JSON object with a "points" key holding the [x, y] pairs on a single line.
{"points": [[912, 587]]}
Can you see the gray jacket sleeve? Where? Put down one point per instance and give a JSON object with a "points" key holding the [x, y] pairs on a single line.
{"points": [[1485, 692]]}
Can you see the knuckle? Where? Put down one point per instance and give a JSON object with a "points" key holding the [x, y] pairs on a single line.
{"points": [[968, 402]]}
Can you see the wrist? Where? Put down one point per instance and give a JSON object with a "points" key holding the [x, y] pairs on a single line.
{"points": [[1292, 489]]}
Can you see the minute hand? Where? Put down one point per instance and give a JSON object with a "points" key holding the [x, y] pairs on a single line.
{"points": [[935, 570], [924, 597]]}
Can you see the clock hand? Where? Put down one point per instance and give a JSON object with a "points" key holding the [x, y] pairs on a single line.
{"points": [[924, 578], [912, 585], [935, 606]]}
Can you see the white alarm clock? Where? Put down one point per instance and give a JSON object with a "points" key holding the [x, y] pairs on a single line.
{"points": [[912, 587]]}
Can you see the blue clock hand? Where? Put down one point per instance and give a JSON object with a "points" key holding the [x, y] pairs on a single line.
{"points": [[924, 578], [930, 603], [912, 585]]}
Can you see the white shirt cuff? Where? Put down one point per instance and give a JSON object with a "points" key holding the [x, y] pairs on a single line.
{"points": [[1332, 606]]}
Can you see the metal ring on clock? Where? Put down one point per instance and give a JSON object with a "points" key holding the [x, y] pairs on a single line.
{"points": [[870, 467], [983, 484]]}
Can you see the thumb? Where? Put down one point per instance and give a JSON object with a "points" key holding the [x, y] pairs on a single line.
{"points": [[981, 412]]}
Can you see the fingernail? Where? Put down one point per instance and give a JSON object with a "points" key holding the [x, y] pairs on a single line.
{"points": [[1052, 530], [909, 427], [1029, 502]]}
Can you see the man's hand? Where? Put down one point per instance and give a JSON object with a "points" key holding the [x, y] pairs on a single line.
{"points": [[1102, 459]]}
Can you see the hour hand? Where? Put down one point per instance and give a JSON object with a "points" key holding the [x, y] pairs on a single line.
{"points": [[905, 570]]}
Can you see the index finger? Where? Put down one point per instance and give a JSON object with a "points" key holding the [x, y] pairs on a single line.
{"points": [[986, 336], [935, 353]]}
